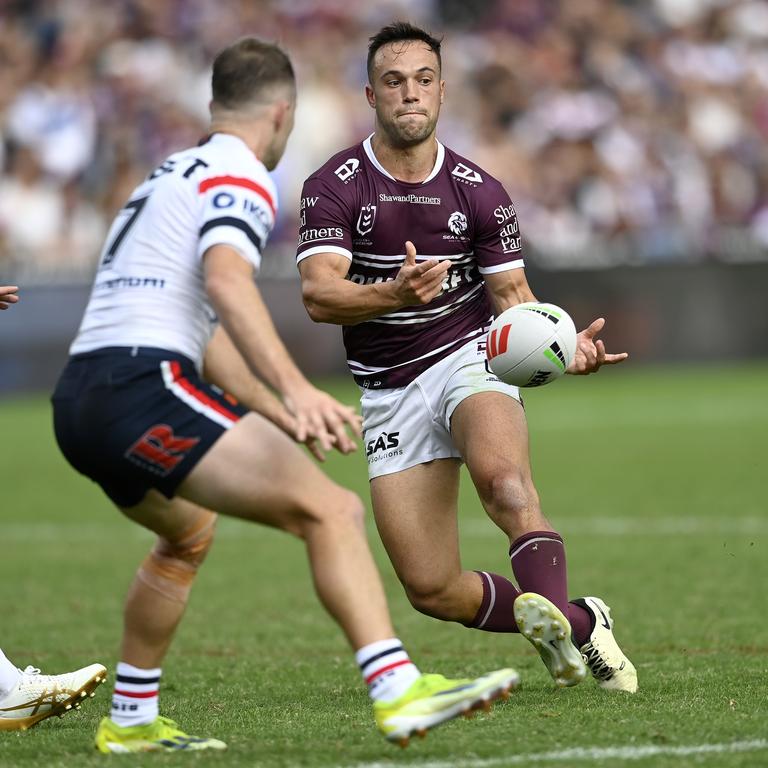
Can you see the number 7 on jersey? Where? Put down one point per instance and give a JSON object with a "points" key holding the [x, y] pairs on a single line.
{"points": [[131, 209]]}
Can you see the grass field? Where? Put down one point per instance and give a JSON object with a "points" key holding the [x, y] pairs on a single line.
{"points": [[657, 479]]}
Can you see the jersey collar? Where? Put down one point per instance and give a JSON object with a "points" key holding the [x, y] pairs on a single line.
{"points": [[219, 137], [372, 157]]}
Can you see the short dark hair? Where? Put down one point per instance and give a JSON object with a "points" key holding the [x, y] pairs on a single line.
{"points": [[400, 30], [243, 71]]}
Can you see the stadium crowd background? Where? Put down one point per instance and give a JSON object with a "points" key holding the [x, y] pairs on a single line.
{"points": [[625, 132]]}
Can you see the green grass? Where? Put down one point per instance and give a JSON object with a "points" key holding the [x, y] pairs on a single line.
{"points": [[656, 478]]}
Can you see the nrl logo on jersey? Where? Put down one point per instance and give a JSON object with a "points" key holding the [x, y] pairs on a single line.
{"points": [[348, 169], [467, 175], [366, 218]]}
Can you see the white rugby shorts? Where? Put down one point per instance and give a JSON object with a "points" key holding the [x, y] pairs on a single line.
{"points": [[411, 425]]}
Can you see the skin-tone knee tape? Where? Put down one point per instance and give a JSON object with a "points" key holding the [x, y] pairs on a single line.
{"points": [[170, 567]]}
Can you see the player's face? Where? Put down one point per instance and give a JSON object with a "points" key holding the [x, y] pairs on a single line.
{"points": [[406, 91], [287, 115]]}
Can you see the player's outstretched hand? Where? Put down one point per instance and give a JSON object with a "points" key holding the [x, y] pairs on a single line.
{"points": [[590, 351], [419, 283], [8, 295], [322, 422]]}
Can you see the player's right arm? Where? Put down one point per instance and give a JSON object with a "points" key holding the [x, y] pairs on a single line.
{"points": [[330, 298]]}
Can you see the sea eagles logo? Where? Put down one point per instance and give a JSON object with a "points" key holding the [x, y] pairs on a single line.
{"points": [[457, 223], [347, 169], [366, 218], [467, 174]]}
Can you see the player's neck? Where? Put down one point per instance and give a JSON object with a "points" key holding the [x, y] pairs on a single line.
{"points": [[253, 138], [410, 164]]}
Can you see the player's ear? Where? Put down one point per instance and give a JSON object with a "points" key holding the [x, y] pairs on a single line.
{"points": [[279, 115], [370, 96], [442, 91]]}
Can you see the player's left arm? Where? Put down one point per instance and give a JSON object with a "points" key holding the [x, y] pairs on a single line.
{"points": [[511, 287], [498, 250], [590, 351], [507, 289], [243, 314], [224, 367]]}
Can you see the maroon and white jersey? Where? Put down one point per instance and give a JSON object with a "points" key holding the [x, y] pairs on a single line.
{"points": [[352, 206]]}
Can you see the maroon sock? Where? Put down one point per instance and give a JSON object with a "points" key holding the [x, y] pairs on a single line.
{"points": [[496, 613], [538, 562], [581, 623]]}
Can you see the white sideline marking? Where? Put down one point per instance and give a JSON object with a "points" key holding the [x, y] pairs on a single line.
{"points": [[637, 526], [700, 415], [474, 528], [583, 753]]}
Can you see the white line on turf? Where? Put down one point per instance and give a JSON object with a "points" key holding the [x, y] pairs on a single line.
{"points": [[697, 416], [584, 754], [683, 525], [475, 527]]}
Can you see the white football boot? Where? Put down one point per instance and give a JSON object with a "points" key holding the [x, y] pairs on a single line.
{"points": [[544, 625], [607, 662], [37, 696]]}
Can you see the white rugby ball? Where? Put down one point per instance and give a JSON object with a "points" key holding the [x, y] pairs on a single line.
{"points": [[531, 344]]}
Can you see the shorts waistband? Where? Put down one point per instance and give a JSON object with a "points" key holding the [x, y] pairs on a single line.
{"points": [[155, 353]]}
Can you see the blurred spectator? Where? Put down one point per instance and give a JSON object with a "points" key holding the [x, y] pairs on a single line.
{"points": [[45, 225], [625, 132]]}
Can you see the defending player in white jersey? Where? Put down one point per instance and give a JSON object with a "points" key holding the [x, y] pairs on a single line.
{"points": [[157, 405], [414, 325]]}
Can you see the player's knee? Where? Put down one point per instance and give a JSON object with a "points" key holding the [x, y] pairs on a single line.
{"points": [[346, 511], [355, 510], [510, 496], [431, 599], [171, 566], [343, 510]]}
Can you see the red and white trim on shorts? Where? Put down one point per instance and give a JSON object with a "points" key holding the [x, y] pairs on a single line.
{"points": [[196, 398]]}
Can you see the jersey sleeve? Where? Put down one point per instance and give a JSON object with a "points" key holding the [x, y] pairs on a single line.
{"points": [[497, 234], [324, 221], [238, 212]]}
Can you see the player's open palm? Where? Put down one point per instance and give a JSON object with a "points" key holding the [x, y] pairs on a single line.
{"points": [[419, 283], [590, 351], [322, 422]]}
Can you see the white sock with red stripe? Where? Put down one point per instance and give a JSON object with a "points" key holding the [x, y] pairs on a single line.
{"points": [[387, 669], [136, 695]]}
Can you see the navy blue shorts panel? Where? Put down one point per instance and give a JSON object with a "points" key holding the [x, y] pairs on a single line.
{"points": [[132, 422]]}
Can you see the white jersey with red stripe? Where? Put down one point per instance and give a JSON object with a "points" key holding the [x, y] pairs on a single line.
{"points": [[149, 290]]}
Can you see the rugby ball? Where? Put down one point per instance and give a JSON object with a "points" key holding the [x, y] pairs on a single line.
{"points": [[531, 344]]}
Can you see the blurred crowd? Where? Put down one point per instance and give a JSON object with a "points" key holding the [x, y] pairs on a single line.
{"points": [[625, 132]]}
